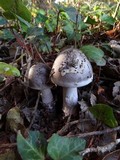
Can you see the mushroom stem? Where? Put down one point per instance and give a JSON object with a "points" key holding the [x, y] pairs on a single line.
{"points": [[47, 98], [70, 99]]}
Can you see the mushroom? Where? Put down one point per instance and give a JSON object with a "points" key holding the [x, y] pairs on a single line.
{"points": [[38, 76], [71, 69]]}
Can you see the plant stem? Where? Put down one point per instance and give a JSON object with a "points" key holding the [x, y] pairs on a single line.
{"points": [[58, 16], [76, 29], [35, 110], [117, 9]]}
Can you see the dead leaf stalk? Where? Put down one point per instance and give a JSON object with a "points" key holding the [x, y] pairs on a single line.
{"points": [[101, 149]]}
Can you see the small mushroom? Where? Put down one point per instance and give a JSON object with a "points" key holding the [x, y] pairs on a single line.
{"points": [[38, 77], [71, 69]]}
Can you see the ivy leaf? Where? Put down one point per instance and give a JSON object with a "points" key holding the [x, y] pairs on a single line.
{"points": [[6, 34], [101, 62], [16, 7], [9, 15], [59, 7], [90, 20], [40, 18], [23, 21], [73, 14], [35, 31], [3, 21], [50, 25], [34, 147], [8, 70], [105, 114], [14, 119], [64, 148], [1, 79], [94, 54], [69, 30], [82, 26], [107, 19]]}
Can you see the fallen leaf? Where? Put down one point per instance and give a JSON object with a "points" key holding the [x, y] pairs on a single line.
{"points": [[14, 119], [116, 89], [93, 99], [65, 148]]}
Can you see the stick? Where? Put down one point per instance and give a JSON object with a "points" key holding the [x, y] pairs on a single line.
{"points": [[101, 149], [35, 109], [96, 133]]}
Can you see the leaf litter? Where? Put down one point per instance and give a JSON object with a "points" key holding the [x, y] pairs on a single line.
{"points": [[105, 89]]}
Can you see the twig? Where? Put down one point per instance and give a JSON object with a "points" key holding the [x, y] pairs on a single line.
{"points": [[35, 109], [96, 133], [101, 149], [40, 56], [58, 16], [8, 145], [21, 42], [117, 9], [65, 128], [6, 85], [76, 27]]}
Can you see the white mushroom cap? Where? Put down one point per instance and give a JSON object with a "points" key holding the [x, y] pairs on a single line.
{"points": [[38, 76], [71, 69]]}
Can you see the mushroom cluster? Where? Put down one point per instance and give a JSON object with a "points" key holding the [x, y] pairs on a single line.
{"points": [[71, 69]]}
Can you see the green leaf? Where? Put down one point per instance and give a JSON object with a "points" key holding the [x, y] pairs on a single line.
{"points": [[105, 114], [40, 18], [64, 148], [50, 24], [59, 7], [90, 20], [94, 54], [35, 31], [8, 70], [9, 15], [6, 34], [82, 26], [107, 19], [3, 21], [23, 21], [32, 148], [14, 119], [73, 14], [101, 62], [1, 79], [16, 7], [69, 30]]}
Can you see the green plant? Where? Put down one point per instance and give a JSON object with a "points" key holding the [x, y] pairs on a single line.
{"points": [[11, 8], [8, 70], [63, 25], [105, 114], [94, 54], [35, 147]]}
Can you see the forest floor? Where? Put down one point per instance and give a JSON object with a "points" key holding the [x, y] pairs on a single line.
{"points": [[17, 100]]}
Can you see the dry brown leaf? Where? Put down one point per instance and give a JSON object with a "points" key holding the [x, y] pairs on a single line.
{"points": [[93, 99], [116, 89]]}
